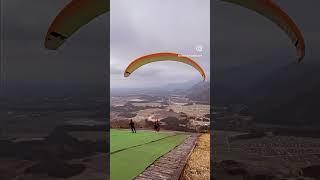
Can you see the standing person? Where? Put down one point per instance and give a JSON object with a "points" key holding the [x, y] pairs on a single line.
{"points": [[155, 125], [158, 125], [133, 129]]}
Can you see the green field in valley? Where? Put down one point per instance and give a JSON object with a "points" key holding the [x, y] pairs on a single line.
{"points": [[131, 153]]}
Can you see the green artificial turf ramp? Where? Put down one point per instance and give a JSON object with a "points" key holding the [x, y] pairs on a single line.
{"points": [[128, 163], [122, 139]]}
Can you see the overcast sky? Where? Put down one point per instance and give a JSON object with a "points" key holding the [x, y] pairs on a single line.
{"points": [[141, 27], [242, 36], [138, 27], [82, 60]]}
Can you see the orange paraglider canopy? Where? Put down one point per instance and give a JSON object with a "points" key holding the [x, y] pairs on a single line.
{"points": [[162, 56], [72, 17], [273, 12]]}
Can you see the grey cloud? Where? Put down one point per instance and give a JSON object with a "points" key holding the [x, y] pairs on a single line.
{"points": [[242, 36], [155, 26], [83, 59]]}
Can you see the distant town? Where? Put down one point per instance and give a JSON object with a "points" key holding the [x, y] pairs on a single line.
{"points": [[175, 112]]}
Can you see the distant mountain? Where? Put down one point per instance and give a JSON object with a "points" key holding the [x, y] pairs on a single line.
{"points": [[178, 88], [182, 86], [289, 95], [233, 85], [199, 92], [47, 89]]}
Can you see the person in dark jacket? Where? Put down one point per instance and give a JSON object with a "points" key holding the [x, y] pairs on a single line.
{"points": [[158, 125], [155, 125], [133, 129]]}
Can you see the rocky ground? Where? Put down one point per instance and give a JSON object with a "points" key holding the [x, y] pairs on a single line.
{"points": [[58, 155], [273, 158]]}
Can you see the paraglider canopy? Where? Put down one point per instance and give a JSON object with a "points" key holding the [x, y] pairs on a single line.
{"points": [[80, 12], [162, 56], [75, 15], [273, 12]]}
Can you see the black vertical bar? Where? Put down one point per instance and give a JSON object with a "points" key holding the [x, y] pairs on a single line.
{"points": [[107, 75], [211, 91], [1, 45], [3, 129]]}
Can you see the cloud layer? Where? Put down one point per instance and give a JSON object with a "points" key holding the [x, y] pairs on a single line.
{"points": [[83, 59], [142, 27]]}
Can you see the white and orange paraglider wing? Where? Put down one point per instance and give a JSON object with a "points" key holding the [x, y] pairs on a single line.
{"points": [[72, 17], [163, 56], [273, 12]]}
